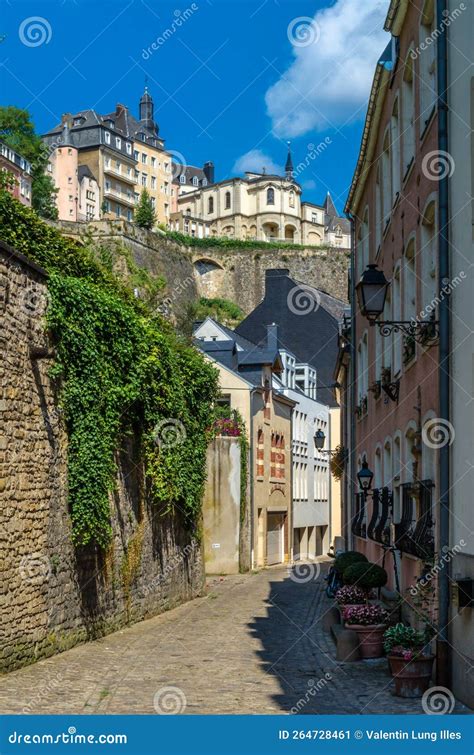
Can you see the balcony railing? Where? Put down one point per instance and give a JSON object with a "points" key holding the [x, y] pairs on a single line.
{"points": [[123, 176], [379, 525], [414, 534], [120, 197], [359, 519]]}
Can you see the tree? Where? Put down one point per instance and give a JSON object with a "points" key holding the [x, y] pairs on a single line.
{"points": [[18, 131], [145, 215]]}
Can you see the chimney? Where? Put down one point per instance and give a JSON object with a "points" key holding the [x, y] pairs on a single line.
{"points": [[66, 118], [272, 337], [208, 169], [275, 276]]}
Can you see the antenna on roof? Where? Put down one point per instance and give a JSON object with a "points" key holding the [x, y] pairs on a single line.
{"points": [[264, 171]]}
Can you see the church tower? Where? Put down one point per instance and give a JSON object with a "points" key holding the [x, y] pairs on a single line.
{"points": [[289, 165], [146, 110]]}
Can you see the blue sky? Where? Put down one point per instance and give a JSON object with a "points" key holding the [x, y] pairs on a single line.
{"points": [[232, 82]]}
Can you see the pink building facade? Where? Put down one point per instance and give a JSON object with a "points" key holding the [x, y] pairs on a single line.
{"points": [[394, 205]]}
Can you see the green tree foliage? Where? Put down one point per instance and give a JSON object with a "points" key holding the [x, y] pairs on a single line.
{"points": [[222, 310], [18, 131], [121, 371], [144, 215]]}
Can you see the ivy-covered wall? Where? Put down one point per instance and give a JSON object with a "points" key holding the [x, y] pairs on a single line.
{"points": [[106, 415]]}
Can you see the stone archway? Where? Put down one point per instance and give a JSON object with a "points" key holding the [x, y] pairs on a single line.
{"points": [[209, 277]]}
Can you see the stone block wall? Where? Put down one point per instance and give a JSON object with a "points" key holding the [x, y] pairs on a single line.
{"points": [[217, 272], [53, 596]]}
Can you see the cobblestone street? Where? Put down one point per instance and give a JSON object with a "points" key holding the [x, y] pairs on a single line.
{"points": [[253, 645]]}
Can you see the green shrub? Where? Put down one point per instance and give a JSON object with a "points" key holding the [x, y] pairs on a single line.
{"points": [[365, 575], [347, 559], [121, 372]]}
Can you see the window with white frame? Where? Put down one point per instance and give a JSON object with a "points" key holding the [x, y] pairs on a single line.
{"points": [[129, 148], [408, 113], [378, 209], [428, 259], [107, 137], [397, 476], [195, 181], [363, 244], [118, 142], [386, 170], [362, 368], [182, 179], [395, 149], [397, 315], [409, 282], [427, 63]]}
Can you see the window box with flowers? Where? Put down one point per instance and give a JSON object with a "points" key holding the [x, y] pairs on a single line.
{"points": [[376, 389]]}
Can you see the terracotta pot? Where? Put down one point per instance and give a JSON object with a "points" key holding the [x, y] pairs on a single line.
{"points": [[370, 639], [412, 678]]}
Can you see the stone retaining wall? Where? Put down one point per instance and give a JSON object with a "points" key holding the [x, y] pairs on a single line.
{"points": [[53, 596]]}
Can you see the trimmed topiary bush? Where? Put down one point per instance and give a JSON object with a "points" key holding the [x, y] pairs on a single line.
{"points": [[347, 559], [365, 575]]}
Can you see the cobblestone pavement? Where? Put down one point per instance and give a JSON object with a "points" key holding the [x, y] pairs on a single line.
{"points": [[253, 644]]}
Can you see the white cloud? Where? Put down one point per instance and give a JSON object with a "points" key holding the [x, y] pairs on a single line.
{"points": [[329, 81], [309, 184], [254, 161]]}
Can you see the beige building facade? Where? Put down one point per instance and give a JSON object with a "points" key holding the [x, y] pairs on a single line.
{"points": [[261, 207]]}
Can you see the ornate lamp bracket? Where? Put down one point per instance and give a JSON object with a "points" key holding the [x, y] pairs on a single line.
{"points": [[421, 332]]}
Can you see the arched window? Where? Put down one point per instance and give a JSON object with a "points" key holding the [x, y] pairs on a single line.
{"points": [[182, 178], [195, 181], [378, 209], [428, 259], [386, 169], [397, 476], [395, 149], [387, 463], [409, 282], [427, 71], [397, 315], [227, 200], [408, 113], [260, 453], [378, 468], [292, 199], [428, 454], [410, 460], [210, 205], [270, 196], [363, 244]]}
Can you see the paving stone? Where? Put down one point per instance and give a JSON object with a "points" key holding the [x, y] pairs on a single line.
{"points": [[254, 644]]}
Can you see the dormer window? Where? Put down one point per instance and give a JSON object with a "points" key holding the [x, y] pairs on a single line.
{"points": [[182, 179], [107, 137], [204, 181], [118, 142], [195, 181], [78, 121], [129, 148]]}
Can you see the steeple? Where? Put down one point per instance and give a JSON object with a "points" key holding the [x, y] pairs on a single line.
{"points": [[289, 164], [146, 109]]}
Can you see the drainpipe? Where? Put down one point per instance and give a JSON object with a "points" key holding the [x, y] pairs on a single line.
{"points": [[251, 481], [352, 393], [443, 660]]}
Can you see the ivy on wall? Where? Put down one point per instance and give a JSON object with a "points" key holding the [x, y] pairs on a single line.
{"points": [[121, 370]]}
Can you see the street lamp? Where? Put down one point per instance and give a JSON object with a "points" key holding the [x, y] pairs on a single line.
{"points": [[372, 292], [319, 438], [365, 477]]}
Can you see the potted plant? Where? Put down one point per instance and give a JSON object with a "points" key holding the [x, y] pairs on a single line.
{"points": [[369, 621], [344, 560], [410, 663], [350, 595], [365, 575]]}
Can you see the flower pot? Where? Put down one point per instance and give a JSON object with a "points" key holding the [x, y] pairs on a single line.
{"points": [[412, 678], [370, 639]]}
